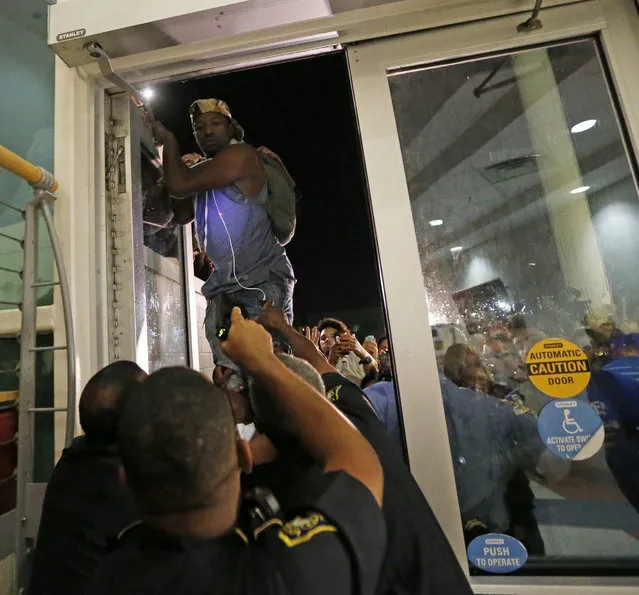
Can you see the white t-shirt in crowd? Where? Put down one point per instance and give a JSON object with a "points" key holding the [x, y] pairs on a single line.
{"points": [[350, 368]]}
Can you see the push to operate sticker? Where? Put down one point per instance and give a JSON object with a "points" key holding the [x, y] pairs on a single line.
{"points": [[571, 429], [497, 553], [558, 368]]}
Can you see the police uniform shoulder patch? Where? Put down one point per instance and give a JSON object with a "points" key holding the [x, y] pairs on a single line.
{"points": [[303, 529], [333, 394]]}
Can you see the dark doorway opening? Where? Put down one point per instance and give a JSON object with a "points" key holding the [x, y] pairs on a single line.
{"points": [[303, 111]]}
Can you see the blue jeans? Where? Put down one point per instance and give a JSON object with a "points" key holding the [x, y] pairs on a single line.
{"points": [[277, 290]]}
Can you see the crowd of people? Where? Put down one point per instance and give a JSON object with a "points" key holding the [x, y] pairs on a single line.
{"points": [[286, 472], [161, 495]]}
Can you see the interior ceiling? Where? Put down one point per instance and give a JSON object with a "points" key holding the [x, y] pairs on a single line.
{"points": [[451, 138]]}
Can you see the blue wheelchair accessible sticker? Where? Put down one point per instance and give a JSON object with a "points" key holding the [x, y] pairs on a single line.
{"points": [[571, 429], [497, 553]]}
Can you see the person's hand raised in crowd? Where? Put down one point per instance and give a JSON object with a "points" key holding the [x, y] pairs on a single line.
{"points": [[370, 346], [351, 343], [248, 343], [342, 347], [273, 318], [313, 335]]}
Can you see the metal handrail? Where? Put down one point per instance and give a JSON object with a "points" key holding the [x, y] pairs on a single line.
{"points": [[43, 184], [68, 321], [32, 174]]}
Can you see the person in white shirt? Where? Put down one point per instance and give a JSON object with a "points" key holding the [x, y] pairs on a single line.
{"points": [[352, 359]]}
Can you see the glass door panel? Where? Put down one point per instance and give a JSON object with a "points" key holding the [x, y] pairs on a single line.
{"points": [[525, 211], [150, 320], [164, 287]]}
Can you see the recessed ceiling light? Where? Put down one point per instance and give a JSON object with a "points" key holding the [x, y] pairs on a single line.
{"points": [[435, 222], [583, 126], [148, 93], [456, 249], [580, 189]]}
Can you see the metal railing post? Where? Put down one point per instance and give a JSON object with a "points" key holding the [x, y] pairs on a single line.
{"points": [[27, 392]]}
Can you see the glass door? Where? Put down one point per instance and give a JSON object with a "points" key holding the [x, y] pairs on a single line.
{"points": [[150, 285], [516, 286]]}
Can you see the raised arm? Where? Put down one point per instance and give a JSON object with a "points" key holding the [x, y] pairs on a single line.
{"points": [[328, 436], [274, 320], [236, 163]]}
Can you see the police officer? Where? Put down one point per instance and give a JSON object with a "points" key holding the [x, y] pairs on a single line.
{"points": [[419, 559], [182, 459]]}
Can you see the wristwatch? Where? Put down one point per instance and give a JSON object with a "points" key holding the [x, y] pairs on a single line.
{"points": [[367, 360]]}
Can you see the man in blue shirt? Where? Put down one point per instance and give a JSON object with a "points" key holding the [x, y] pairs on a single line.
{"points": [[490, 442], [226, 195]]}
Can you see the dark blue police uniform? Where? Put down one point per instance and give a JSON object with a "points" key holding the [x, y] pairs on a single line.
{"points": [[84, 508], [334, 544], [419, 559]]}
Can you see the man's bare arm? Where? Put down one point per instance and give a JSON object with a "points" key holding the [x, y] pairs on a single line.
{"points": [[273, 319], [329, 437], [233, 164]]}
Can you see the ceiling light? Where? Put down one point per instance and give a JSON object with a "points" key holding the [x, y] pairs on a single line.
{"points": [[532, 264], [580, 189], [456, 249], [148, 93], [435, 222], [583, 126]]}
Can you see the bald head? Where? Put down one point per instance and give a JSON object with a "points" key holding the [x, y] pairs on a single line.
{"points": [[177, 442], [102, 400]]}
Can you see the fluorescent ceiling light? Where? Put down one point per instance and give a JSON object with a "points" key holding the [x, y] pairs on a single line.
{"points": [[580, 189], [583, 126], [455, 249], [435, 222], [532, 264]]}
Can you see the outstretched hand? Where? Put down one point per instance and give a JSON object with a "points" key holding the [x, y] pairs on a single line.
{"points": [[313, 335], [273, 318], [371, 348], [248, 344]]}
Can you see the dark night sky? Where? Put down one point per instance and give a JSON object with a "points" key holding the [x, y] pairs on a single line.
{"points": [[303, 111]]}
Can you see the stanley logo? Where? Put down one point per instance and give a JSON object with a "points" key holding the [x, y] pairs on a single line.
{"points": [[71, 35]]}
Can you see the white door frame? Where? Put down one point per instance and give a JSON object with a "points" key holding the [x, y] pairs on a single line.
{"points": [[414, 353]]}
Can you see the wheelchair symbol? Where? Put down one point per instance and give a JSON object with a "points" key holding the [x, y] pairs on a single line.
{"points": [[569, 425]]}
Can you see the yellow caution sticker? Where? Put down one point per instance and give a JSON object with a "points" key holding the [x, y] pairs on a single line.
{"points": [[558, 368]]}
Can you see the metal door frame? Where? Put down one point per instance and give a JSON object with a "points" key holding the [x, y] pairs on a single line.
{"points": [[125, 250]]}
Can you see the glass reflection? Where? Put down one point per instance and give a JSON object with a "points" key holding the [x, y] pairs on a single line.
{"points": [[536, 238], [164, 267]]}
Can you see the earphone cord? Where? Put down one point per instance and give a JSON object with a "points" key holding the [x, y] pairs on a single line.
{"points": [[233, 252]]}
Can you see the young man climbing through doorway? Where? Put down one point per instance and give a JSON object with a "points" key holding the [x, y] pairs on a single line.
{"points": [[230, 197]]}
